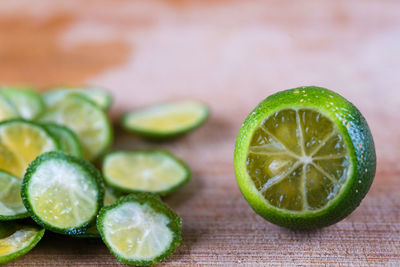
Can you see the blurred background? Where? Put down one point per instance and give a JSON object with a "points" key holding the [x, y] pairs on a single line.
{"points": [[231, 55]]}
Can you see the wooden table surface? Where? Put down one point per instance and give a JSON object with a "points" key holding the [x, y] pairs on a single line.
{"points": [[230, 54]]}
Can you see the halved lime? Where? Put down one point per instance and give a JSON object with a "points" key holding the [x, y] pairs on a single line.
{"points": [[154, 171], [140, 229], [86, 119], [27, 102], [11, 206], [305, 158], [17, 239], [21, 142], [68, 140], [62, 193], [109, 199], [7, 109], [166, 120], [99, 96]]}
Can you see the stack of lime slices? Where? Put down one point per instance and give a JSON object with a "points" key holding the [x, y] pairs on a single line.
{"points": [[46, 145]]}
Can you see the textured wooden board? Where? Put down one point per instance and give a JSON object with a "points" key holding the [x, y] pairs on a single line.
{"points": [[230, 54]]}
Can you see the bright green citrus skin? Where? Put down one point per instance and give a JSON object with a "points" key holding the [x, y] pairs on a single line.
{"points": [[157, 205], [358, 139]]}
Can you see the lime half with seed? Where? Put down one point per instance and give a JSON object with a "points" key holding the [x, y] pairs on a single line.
{"points": [[305, 158]]}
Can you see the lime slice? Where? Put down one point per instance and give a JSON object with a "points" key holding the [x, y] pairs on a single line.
{"points": [[87, 120], [62, 193], [166, 120], [27, 102], [305, 158], [100, 97], [68, 140], [21, 142], [7, 109], [140, 229], [11, 206], [109, 199], [16, 240], [154, 171]]}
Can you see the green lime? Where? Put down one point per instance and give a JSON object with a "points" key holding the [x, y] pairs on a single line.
{"points": [[140, 229], [62, 193], [304, 158], [100, 97], [86, 119], [21, 142], [28, 102], [154, 171], [7, 109], [68, 140], [166, 120], [16, 240], [11, 206]]}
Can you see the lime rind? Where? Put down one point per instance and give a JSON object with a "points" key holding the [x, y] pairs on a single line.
{"points": [[13, 233], [8, 166], [155, 203], [27, 102], [129, 124], [86, 119], [112, 182], [68, 140], [357, 137], [99, 96], [11, 209], [83, 166]]}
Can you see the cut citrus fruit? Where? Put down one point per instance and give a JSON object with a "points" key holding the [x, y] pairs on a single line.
{"points": [[68, 140], [62, 193], [166, 120], [16, 240], [154, 171], [21, 142], [140, 229], [305, 158], [11, 206], [99, 96], [7, 109], [27, 102], [86, 119], [109, 199]]}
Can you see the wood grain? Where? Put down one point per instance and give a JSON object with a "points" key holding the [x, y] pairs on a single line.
{"points": [[230, 54]]}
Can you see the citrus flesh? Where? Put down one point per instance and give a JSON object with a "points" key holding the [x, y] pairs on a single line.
{"points": [[61, 193], [139, 229], [146, 171], [166, 120], [68, 140], [305, 158], [7, 109], [11, 206], [86, 119], [27, 102], [20, 143], [17, 240]]}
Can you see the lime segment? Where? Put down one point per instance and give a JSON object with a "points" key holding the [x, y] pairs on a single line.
{"points": [[7, 109], [62, 193], [285, 164], [152, 171], [99, 96], [17, 240], [21, 142], [27, 102], [140, 229], [166, 120], [87, 120], [11, 206], [68, 140]]}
